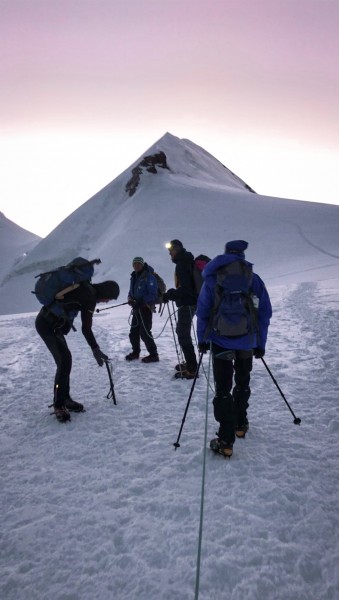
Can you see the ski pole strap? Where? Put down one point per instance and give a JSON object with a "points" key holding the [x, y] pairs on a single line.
{"points": [[111, 393]]}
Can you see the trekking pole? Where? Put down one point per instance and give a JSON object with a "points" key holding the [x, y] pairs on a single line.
{"points": [[194, 332], [176, 444], [175, 341], [176, 327], [296, 421], [109, 307], [111, 393]]}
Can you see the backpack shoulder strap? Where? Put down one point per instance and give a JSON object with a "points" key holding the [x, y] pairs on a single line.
{"points": [[60, 295]]}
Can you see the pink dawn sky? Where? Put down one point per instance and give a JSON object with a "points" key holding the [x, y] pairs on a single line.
{"points": [[86, 86]]}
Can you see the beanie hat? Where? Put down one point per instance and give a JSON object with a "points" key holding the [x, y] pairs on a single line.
{"points": [[176, 244], [107, 290], [236, 247], [138, 259]]}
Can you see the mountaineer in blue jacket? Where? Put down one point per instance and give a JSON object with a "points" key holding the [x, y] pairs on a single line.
{"points": [[233, 316], [142, 296]]}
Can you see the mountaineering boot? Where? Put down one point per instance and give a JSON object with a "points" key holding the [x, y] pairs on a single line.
{"points": [[222, 447], [150, 358], [62, 414], [73, 406], [223, 414], [181, 366], [241, 430], [185, 374], [132, 356], [241, 396]]}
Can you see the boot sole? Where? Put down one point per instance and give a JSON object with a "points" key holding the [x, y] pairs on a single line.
{"points": [[226, 452], [179, 375], [146, 362], [223, 452], [240, 434], [63, 419]]}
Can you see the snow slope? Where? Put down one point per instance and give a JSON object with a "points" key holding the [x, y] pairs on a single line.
{"points": [[103, 507], [15, 244]]}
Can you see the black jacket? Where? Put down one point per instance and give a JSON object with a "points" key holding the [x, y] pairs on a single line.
{"points": [[83, 300], [184, 294]]}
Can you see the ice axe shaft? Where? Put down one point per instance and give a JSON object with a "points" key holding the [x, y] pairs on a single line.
{"points": [[111, 393]]}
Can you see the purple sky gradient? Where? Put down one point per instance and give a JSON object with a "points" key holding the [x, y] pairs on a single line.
{"points": [[231, 75]]}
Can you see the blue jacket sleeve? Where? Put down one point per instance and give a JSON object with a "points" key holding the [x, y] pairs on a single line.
{"points": [[264, 309], [204, 307], [131, 287]]}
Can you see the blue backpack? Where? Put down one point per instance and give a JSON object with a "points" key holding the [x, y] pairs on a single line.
{"points": [[52, 286], [234, 313]]}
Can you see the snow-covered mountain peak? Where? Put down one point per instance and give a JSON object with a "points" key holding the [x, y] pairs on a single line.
{"points": [[184, 161]]}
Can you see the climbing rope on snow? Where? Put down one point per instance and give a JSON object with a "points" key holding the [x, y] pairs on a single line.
{"points": [[202, 498]]}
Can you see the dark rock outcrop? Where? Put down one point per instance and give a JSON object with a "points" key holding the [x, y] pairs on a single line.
{"points": [[150, 164]]}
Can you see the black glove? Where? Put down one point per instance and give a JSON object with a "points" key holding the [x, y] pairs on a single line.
{"points": [[258, 352], [138, 303], [164, 298], [169, 295], [99, 356], [203, 347]]}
